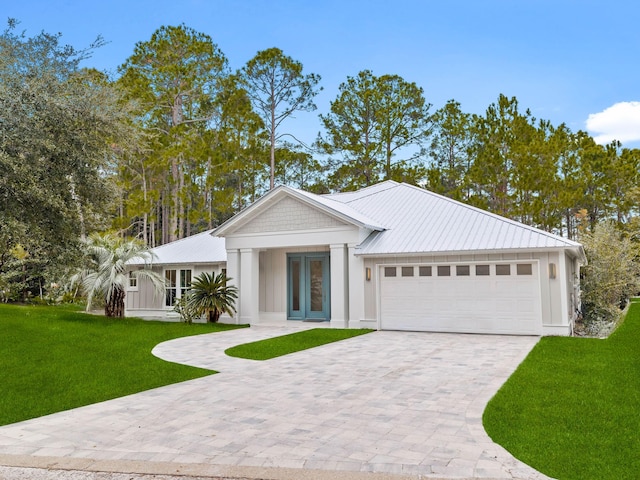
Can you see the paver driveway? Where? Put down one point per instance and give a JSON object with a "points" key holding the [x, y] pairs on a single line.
{"points": [[394, 402]]}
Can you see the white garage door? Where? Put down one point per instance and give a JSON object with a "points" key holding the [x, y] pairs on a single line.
{"points": [[502, 298]]}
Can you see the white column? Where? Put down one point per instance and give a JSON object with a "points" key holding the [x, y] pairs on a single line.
{"points": [[356, 288], [233, 273], [249, 285], [339, 315]]}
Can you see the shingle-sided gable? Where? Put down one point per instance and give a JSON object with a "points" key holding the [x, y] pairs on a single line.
{"points": [[300, 211], [288, 214]]}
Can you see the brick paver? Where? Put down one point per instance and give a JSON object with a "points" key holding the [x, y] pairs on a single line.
{"points": [[389, 402]]}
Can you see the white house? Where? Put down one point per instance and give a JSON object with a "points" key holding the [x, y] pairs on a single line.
{"points": [[390, 256]]}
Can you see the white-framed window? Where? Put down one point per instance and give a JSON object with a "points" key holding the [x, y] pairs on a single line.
{"points": [[524, 269], [389, 271], [425, 270], [177, 282], [444, 270], [407, 271], [503, 269], [133, 281], [463, 270]]}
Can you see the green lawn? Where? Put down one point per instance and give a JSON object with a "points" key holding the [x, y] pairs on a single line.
{"points": [[572, 408], [57, 358], [293, 342]]}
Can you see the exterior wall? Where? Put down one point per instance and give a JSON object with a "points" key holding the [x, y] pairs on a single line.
{"points": [[556, 318], [145, 303]]}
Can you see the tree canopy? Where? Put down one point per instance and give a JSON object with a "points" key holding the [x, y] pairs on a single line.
{"points": [[277, 88], [60, 126]]}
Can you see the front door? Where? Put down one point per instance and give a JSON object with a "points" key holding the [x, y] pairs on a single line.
{"points": [[308, 295]]}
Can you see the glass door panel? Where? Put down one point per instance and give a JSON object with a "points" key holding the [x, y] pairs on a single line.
{"points": [[315, 284]]}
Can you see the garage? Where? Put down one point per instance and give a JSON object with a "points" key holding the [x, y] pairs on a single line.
{"points": [[489, 297]]}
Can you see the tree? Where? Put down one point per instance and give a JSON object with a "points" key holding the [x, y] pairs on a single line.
{"points": [[277, 89], [298, 169], [611, 275], [105, 277], [211, 295], [174, 77], [450, 152], [60, 125], [372, 121]]}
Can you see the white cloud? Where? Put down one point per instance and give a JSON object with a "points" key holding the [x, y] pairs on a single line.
{"points": [[620, 121]]}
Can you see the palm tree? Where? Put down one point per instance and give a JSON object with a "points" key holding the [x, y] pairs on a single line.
{"points": [[106, 276], [211, 295]]}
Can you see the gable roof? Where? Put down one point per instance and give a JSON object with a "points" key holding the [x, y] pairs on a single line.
{"points": [[419, 221], [404, 219], [325, 204], [196, 249]]}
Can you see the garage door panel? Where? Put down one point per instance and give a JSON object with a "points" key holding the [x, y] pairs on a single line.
{"points": [[472, 304]]}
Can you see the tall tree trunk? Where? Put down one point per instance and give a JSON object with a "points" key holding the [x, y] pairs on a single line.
{"points": [[272, 137], [182, 209], [174, 201]]}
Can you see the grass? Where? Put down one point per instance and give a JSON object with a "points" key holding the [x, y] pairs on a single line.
{"points": [[293, 342], [57, 358], [572, 408]]}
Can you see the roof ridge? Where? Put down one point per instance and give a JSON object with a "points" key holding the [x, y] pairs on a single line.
{"points": [[495, 215], [185, 238], [392, 184]]}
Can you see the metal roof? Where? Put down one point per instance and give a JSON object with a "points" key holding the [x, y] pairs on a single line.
{"points": [[341, 208], [420, 221], [196, 249], [404, 219]]}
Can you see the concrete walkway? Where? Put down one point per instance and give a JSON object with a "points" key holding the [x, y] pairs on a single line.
{"points": [[395, 403]]}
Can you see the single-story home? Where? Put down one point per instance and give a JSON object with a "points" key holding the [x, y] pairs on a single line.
{"points": [[391, 256]]}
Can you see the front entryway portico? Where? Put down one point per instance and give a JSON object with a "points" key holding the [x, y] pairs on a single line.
{"points": [[291, 257]]}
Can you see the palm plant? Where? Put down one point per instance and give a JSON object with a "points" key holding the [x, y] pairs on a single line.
{"points": [[210, 295], [106, 275]]}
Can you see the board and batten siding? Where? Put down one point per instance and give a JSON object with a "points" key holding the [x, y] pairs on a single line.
{"points": [[273, 280], [145, 302]]}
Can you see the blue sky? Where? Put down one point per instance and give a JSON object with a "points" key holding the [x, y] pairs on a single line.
{"points": [[567, 61]]}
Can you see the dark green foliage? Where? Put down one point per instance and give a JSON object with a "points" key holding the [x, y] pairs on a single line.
{"points": [[377, 127], [59, 124], [571, 408], [211, 296], [294, 342], [56, 358]]}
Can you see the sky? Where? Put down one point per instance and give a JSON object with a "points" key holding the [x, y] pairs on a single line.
{"points": [[572, 62]]}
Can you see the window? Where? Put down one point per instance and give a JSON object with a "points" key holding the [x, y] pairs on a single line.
{"points": [[170, 288], [407, 271], [462, 271], [173, 288], [133, 280], [444, 271], [389, 271], [524, 269], [482, 270], [185, 281], [425, 271], [503, 269]]}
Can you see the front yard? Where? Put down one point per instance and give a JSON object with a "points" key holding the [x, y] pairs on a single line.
{"points": [[57, 358], [572, 408]]}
